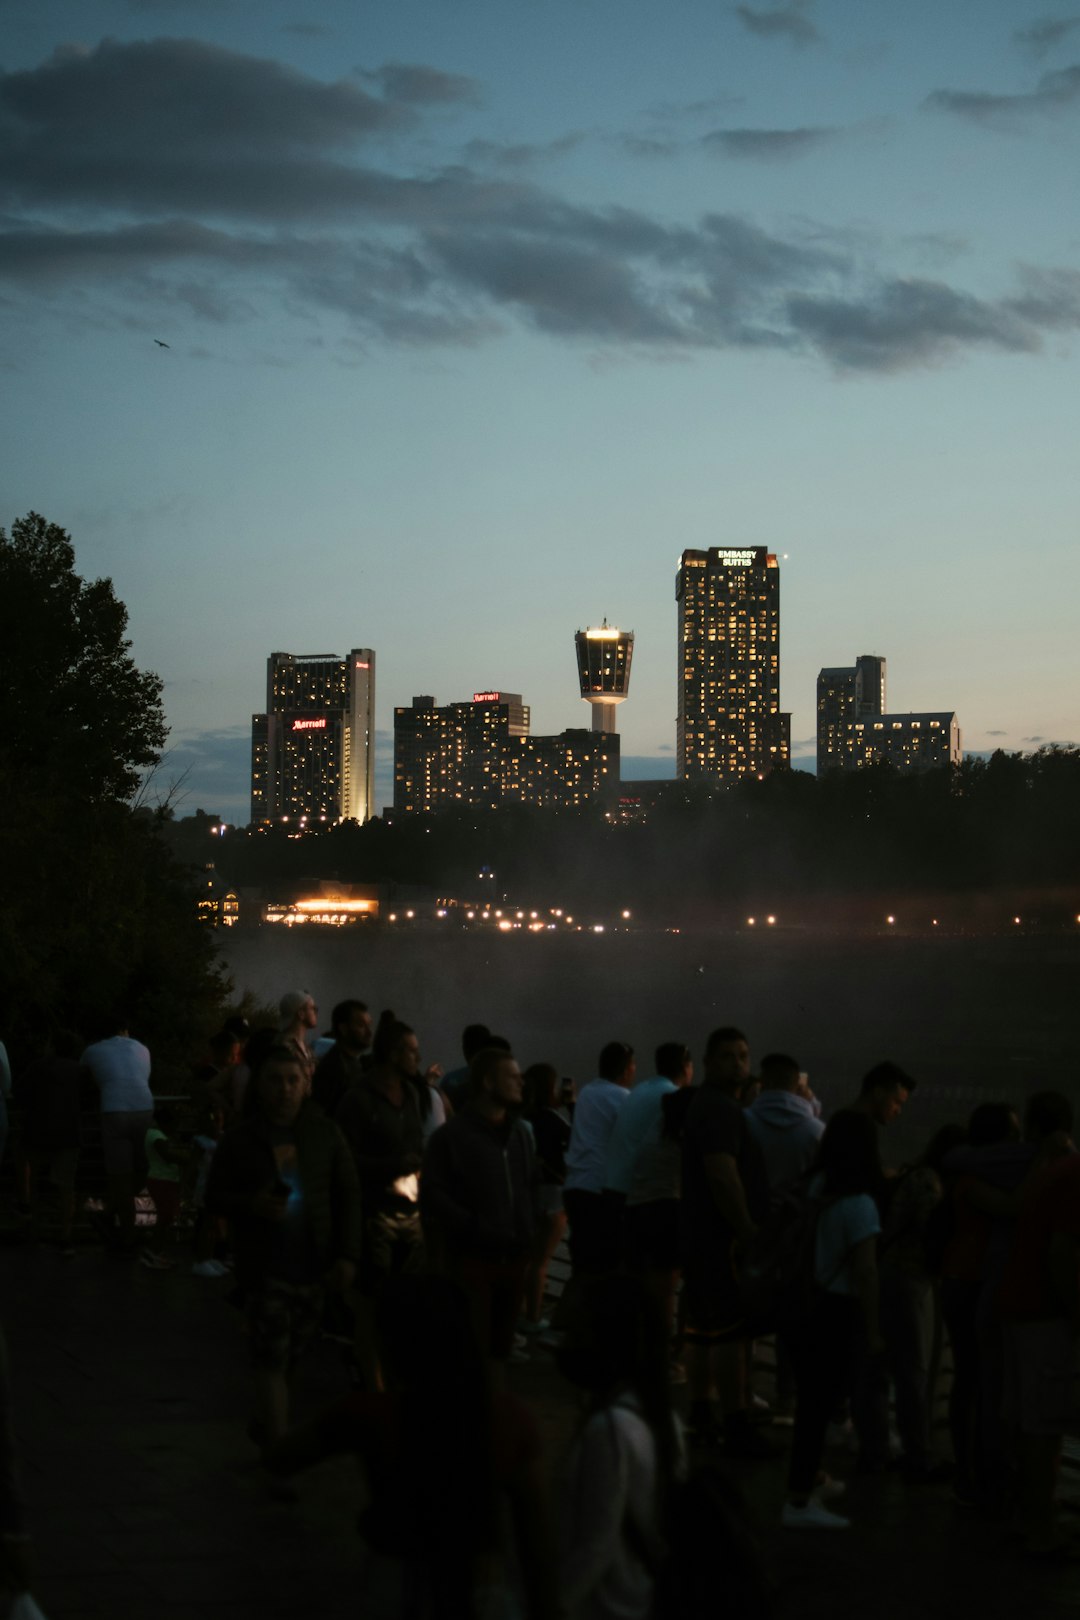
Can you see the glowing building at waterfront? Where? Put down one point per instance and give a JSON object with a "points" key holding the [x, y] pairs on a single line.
{"points": [[313, 751]]}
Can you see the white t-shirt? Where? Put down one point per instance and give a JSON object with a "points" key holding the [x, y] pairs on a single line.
{"points": [[121, 1072], [611, 1480]]}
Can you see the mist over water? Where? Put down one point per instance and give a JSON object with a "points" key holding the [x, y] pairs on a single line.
{"points": [[970, 1019]]}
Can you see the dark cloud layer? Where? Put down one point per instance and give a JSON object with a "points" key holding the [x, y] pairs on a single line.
{"points": [[765, 145], [172, 173], [422, 86], [780, 22], [1041, 36], [1055, 93]]}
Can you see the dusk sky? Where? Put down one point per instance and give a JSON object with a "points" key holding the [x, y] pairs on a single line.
{"points": [[480, 313]]}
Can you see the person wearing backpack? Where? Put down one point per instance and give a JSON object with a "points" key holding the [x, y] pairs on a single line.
{"points": [[842, 1324]]}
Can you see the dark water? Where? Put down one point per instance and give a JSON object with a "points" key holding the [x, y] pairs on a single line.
{"points": [[970, 1019]]}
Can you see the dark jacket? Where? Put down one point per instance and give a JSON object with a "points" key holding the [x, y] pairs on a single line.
{"points": [[387, 1142], [478, 1190], [244, 1165], [333, 1076]]}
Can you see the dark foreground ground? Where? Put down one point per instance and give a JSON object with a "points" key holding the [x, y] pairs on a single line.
{"points": [[147, 1503]]}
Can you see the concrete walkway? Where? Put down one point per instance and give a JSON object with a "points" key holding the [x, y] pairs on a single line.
{"points": [[130, 1395]]}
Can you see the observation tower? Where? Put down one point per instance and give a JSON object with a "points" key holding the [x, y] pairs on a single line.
{"points": [[603, 660]]}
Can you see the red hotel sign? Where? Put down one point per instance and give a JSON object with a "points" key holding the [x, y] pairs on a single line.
{"points": [[310, 725], [486, 697]]}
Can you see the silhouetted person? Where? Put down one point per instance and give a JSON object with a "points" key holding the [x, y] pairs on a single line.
{"points": [[724, 1196], [345, 1063], [284, 1179], [120, 1068], [480, 1198]]}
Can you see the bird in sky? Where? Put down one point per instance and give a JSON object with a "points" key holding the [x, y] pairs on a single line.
{"points": [[162, 345]]}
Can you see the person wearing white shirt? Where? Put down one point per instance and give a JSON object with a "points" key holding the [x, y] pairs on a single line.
{"points": [[594, 1221]]}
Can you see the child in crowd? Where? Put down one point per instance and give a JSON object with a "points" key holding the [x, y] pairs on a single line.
{"points": [[165, 1158]]}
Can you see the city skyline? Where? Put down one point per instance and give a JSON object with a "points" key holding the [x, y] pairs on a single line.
{"points": [[444, 331]]}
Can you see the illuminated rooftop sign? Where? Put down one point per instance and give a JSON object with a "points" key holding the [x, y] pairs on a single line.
{"points": [[309, 725], [735, 559], [487, 697]]}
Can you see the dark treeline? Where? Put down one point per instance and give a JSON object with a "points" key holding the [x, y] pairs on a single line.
{"points": [[987, 825], [97, 919]]}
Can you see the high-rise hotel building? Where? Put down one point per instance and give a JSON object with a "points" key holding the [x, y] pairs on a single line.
{"points": [[482, 754], [729, 722], [313, 751], [845, 695], [854, 728]]}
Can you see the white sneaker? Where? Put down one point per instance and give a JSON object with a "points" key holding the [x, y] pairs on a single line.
{"points": [[812, 1515], [207, 1268]]}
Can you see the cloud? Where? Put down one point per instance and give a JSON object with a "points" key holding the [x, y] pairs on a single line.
{"points": [[674, 112], [151, 175], [422, 86], [997, 734], [149, 124], [1040, 37], [306, 30], [650, 147], [1047, 298], [209, 770], [1054, 93], [766, 145], [905, 323], [782, 22], [520, 154], [1033, 739]]}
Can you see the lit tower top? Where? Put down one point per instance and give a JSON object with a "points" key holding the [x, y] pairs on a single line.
{"points": [[603, 661]]}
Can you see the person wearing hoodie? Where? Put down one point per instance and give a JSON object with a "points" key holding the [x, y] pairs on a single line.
{"points": [[479, 1198], [784, 1121]]}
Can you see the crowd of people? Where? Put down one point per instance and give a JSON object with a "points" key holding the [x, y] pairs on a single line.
{"points": [[346, 1187]]}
